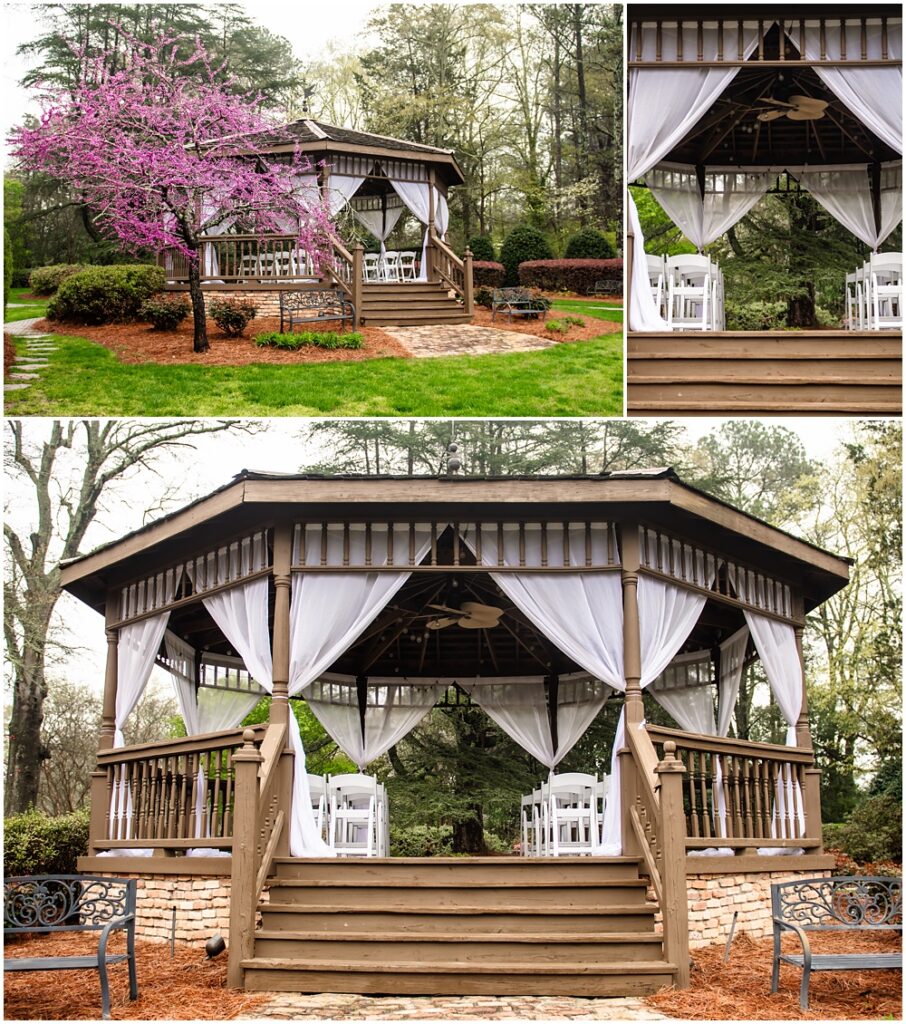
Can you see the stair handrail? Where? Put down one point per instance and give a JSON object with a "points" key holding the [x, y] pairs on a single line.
{"points": [[462, 287]]}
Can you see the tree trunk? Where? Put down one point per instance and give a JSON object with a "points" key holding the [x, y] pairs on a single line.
{"points": [[25, 750], [468, 835], [200, 337]]}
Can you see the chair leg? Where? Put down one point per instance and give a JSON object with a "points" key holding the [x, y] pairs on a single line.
{"points": [[105, 990], [803, 988], [133, 979]]}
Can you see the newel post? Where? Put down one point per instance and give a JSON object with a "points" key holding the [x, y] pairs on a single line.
{"points": [[280, 709], [358, 280], [468, 288], [243, 888], [628, 254], [672, 834], [100, 798], [633, 707]]}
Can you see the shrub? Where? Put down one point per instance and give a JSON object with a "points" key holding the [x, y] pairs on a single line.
{"points": [[7, 267], [104, 295], [46, 280], [165, 314], [34, 844], [522, 245], [232, 316], [320, 339], [482, 247], [574, 321], [488, 274], [20, 277], [589, 244], [421, 840], [571, 275], [484, 297], [557, 326], [755, 315], [873, 832]]}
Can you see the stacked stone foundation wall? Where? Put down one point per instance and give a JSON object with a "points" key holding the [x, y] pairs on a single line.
{"points": [[202, 907]]}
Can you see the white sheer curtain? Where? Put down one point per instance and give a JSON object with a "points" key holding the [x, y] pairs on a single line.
{"points": [[579, 699], [663, 106], [136, 650], [684, 690], [519, 707], [845, 192], [394, 709], [181, 665], [730, 193], [328, 612], [732, 662], [341, 188], [873, 95], [441, 214], [417, 197], [305, 185], [209, 209], [380, 222]]}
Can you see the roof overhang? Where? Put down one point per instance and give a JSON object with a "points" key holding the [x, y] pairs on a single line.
{"points": [[255, 500]]}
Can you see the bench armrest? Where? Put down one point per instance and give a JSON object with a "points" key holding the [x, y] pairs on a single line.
{"points": [[111, 926], [780, 926]]}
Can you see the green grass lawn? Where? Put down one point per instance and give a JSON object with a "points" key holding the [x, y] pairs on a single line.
{"points": [[86, 379], [596, 308], [32, 307]]}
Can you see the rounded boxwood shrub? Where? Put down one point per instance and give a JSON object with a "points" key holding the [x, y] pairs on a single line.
{"points": [[488, 274], [589, 244], [34, 844], [482, 247], [873, 833], [572, 275], [165, 314], [232, 316], [46, 280], [105, 295], [522, 244]]}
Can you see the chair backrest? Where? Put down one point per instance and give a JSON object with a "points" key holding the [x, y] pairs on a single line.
{"points": [[44, 903], [831, 904], [317, 786], [655, 264], [577, 779], [689, 265], [354, 786], [886, 262]]}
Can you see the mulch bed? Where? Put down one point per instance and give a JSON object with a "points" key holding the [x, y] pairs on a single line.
{"points": [[526, 325], [741, 988], [9, 353], [188, 987], [139, 343]]}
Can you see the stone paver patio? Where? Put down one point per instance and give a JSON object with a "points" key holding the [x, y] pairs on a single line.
{"points": [[33, 359], [464, 340], [336, 1006]]}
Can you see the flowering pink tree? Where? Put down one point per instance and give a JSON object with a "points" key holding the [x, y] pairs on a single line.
{"points": [[162, 159]]}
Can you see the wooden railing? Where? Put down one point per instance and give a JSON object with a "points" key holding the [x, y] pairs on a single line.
{"points": [[450, 270], [261, 831], [168, 795], [652, 795], [730, 787]]}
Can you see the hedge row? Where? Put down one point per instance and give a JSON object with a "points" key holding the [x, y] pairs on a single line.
{"points": [[488, 274], [104, 295], [46, 280], [571, 275], [34, 844]]}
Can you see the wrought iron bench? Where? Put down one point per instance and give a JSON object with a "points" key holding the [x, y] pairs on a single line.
{"points": [[515, 302], [605, 288], [314, 305], [72, 903], [834, 904]]}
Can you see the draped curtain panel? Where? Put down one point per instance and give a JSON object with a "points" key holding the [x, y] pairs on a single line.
{"points": [[379, 222], [663, 106], [873, 95], [441, 214], [845, 192], [417, 197], [305, 186], [519, 707], [732, 662]]}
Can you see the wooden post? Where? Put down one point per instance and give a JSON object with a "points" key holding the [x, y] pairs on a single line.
{"points": [[358, 279], [628, 254], [468, 290], [811, 802], [633, 707], [803, 732], [108, 714], [243, 894], [672, 836], [280, 709], [429, 250], [100, 805]]}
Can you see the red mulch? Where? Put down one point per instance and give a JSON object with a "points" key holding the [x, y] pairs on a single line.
{"points": [[9, 353], [139, 343], [188, 987], [741, 988], [526, 325]]}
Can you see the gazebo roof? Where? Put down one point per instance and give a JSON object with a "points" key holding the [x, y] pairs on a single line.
{"points": [[316, 139], [254, 500]]}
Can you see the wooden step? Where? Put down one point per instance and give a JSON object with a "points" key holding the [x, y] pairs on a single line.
{"points": [[784, 372], [443, 870], [414, 318], [473, 919], [590, 947], [273, 974], [717, 398]]}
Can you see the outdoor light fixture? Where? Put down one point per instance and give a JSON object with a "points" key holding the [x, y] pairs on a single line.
{"points": [[214, 946]]}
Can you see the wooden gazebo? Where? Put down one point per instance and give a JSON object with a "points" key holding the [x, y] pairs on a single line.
{"points": [[216, 593], [355, 172], [720, 371]]}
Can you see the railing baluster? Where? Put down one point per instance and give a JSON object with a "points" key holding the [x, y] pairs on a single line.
{"points": [[194, 790], [184, 794], [725, 787], [704, 787], [228, 794], [747, 794], [217, 815], [691, 767]]}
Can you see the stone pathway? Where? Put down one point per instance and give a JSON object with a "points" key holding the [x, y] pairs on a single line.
{"points": [[27, 365], [335, 1006], [464, 340]]}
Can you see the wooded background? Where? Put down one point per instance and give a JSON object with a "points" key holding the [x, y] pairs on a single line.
{"points": [[529, 97]]}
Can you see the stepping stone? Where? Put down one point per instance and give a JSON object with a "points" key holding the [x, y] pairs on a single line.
{"points": [[23, 376], [14, 387], [28, 367]]}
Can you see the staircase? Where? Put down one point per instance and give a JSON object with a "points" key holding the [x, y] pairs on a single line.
{"points": [[410, 304], [483, 925]]}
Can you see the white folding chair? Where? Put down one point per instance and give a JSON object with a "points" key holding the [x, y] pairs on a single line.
{"points": [[853, 304], [656, 280], [354, 815], [317, 787], [885, 286], [689, 292], [407, 266], [391, 266], [571, 810], [601, 795], [372, 266]]}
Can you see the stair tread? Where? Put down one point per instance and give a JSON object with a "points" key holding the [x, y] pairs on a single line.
{"points": [[484, 908], [447, 884], [467, 937], [459, 862], [451, 966]]}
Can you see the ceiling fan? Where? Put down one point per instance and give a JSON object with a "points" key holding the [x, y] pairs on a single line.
{"points": [[469, 615], [796, 108]]}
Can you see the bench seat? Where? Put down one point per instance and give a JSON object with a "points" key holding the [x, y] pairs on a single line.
{"points": [[59, 963], [847, 961]]}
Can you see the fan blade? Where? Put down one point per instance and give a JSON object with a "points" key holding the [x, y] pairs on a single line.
{"points": [[808, 102], [474, 608], [445, 608], [441, 623], [470, 623], [770, 99], [770, 115], [805, 115]]}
